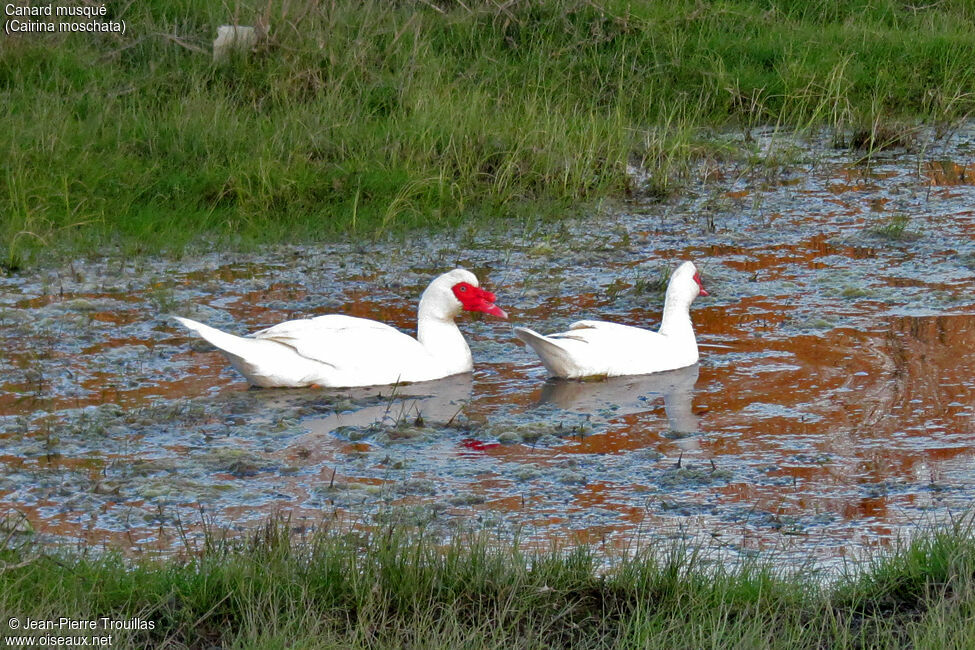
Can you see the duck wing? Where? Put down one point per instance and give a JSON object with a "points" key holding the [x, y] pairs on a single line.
{"points": [[347, 343]]}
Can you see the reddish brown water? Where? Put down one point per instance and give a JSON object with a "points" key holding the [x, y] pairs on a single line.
{"points": [[832, 410]]}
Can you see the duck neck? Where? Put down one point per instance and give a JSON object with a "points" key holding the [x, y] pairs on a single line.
{"points": [[439, 335], [676, 321]]}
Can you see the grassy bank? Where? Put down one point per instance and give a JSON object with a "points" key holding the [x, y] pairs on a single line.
{"points": [[366, 117], [394, 590]]}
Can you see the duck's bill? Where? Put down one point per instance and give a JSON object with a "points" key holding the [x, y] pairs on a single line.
{"points": [[483, 301], [494, 310], [700, 285]]}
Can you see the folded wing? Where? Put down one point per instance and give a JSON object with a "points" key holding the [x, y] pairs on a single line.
{"points": [[346, 343]]}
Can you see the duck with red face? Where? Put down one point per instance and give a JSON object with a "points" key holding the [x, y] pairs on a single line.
{"points": [[474, 298], [345, 351]]}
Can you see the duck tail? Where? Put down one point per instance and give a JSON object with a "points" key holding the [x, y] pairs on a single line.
{"points": [[554, 357], [235, 348]]}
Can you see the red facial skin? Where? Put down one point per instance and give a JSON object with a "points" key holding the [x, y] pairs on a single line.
{"points": [[697, 278], [476, 299]]}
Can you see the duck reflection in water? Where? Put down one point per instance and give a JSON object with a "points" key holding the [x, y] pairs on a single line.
{"points": [[433, 402], [630, 394]]}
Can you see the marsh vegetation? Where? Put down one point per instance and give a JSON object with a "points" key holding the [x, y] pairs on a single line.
{"points": [[391, 589], [362, 118]]}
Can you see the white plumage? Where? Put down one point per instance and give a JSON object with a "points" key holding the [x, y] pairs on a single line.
{"points": [[592, 348], [344, 351]]}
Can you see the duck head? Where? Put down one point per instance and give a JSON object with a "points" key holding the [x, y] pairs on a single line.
{"points": [[456, 291], [685, 284]]}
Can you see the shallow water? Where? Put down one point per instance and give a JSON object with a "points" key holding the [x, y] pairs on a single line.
{"points": [[831, 412]]}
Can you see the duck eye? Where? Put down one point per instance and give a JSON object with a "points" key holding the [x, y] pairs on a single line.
{"points": [[463, 288]]}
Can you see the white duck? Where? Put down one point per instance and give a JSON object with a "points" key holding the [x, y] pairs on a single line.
{"points": [[593, 348], [344, 351]]}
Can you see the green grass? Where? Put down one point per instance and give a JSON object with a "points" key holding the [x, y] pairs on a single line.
{"points": [[895, 228], [393, 589], [361, 118]]}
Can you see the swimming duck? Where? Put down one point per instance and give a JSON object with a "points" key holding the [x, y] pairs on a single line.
{"points": [[344, 351], [593, 348]]}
